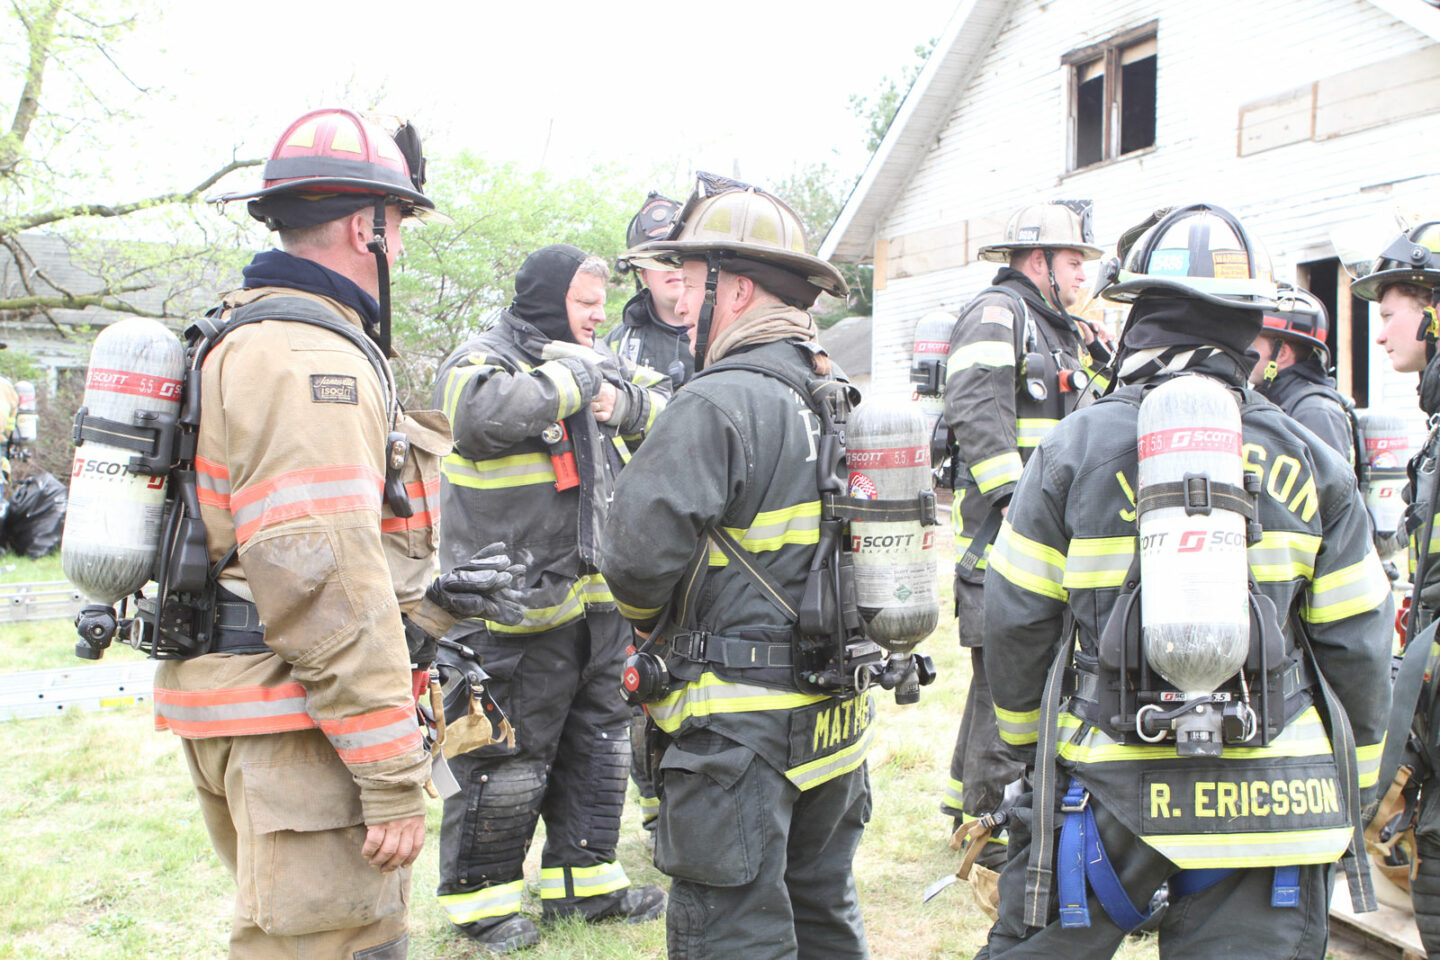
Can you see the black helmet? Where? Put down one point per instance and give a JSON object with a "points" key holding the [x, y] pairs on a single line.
{"points": [[1412, 257], [1299, 317], [651, 222]]}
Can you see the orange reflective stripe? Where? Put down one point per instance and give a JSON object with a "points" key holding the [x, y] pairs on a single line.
{"points": [[312, 492], [232, 712], [425, 502], [374, 736], [212, 482]]}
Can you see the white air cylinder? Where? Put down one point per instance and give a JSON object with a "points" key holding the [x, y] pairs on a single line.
{"points": [[1193, 566], [1387, 449], [27, 419], [888, 456], [112, 527]]}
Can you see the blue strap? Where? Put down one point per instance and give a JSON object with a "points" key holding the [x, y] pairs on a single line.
{"points": [[1187, 882], [1070, 858], [1285, 888], [1082, 856]]}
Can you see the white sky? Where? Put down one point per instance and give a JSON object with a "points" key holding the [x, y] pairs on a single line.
{"points": [[658, 89]]}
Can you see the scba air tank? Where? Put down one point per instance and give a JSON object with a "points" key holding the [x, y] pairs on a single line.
{"points": [[1194, 602], [888, 457], [112, 528], [26, 416], [1387, 449]]}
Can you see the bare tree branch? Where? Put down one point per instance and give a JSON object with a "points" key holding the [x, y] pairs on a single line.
{"points": [[80, 302], [40, 218]]}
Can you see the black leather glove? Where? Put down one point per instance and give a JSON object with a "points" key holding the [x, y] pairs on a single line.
{"points": [[486, 586]]}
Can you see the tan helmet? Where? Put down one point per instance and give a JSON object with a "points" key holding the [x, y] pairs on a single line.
{"points": [[1061, 225], [731, 219]]}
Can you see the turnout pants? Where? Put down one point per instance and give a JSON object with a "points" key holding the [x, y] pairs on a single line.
{"points": [[561, 689], [1425, 886], [761, 870], [1231, 918], [284, 815]]}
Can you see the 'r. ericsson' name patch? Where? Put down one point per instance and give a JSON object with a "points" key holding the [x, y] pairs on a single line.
{"points": [[333, 388]]}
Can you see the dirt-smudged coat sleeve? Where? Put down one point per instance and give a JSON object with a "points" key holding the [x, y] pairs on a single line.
{"points": [[492, 408], [305, 496]]}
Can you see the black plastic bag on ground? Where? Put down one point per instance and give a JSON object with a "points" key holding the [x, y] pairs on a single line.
{"points": [[36, 516]]}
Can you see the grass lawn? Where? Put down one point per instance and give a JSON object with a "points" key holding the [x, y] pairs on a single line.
{"points": [[106, 855]]}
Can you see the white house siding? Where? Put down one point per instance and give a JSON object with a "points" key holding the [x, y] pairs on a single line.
{"points": [[1004, 143]]}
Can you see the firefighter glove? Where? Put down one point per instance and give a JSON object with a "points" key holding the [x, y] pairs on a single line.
{"points": [[486, 586], [587, 374]]}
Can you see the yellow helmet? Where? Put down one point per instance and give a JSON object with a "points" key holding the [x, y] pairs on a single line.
{"points": [[727, 219]]}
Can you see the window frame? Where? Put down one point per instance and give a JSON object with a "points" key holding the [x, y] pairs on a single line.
{"points": [[1109, 51]]}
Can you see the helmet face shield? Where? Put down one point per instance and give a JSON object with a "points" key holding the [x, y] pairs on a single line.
{"points": [[1413, 257]]}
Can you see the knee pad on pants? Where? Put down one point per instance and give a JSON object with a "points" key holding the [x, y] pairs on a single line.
{"points": [[488, 825]]}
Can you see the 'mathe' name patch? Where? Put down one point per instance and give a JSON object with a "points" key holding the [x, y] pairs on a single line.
{"points": [[333, 388]]}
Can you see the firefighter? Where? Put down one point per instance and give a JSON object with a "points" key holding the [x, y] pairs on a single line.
{"points": [[299, 725], [763, 788], [1405, 283], [540, 411], [1263, 819], [649, 333], [1019, 362], [1292, 369]]}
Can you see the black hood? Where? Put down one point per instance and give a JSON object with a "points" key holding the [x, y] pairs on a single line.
{"points": [[1185, 322], [541, 286]]}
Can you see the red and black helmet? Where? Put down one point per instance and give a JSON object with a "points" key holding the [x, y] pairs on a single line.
{"points": [[1300, 317], [331, 162]]}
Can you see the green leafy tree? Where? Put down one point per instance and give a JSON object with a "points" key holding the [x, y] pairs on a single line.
{"points": [[70, 88], [818, 193], [452, 279], [878, 109]]}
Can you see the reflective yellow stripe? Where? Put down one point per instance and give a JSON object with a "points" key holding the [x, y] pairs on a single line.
{"points": [[1095, 562], [1434, 535], [957, 526], [473, 364], [773, 529], [1030, 431], [1098, 382], [1018, 727], [711, 695], [593, 881], [1356, 589], [565, 385], [1304, 737], [954, 795], [981, 353], [637, 613], [1368, 763], [497, 901], [646, 377], [657, 404], [520, 470], [591, 589], [1281, 556], [1029, 564], [807, 776], [649, 807], [997, 471]]}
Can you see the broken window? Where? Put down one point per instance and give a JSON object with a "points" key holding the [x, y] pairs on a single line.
{"points": [[1112, 97]]}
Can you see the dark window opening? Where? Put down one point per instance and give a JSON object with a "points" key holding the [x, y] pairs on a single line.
{"points": [[1322, 278], [1137, 100], [1113, 96], [1090, 113]]}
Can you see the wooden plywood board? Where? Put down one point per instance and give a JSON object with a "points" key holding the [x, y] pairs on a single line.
{"points": [[1277, 121], [1392, 923], [1381, 93]]}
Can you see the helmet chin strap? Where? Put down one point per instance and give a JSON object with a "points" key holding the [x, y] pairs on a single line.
{"points": [[1054, 284], [377, 246], [707, 311]]}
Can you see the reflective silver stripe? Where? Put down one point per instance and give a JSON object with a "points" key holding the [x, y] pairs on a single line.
{"points": [[1358, 588], [1030, 431], [1282, 555], [565, 385], [1092, 563], [230, 712], [954, 795], [518, 470], [357, 740], [711, 694], [497, 901], [1018, 727], [593, 881], [361, 488], [1258, 849]]}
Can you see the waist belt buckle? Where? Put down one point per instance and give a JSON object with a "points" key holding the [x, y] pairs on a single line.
{"points": [[1076, 799]]}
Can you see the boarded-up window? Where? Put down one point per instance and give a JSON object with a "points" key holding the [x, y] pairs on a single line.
{"points": [[1112, 97]]}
